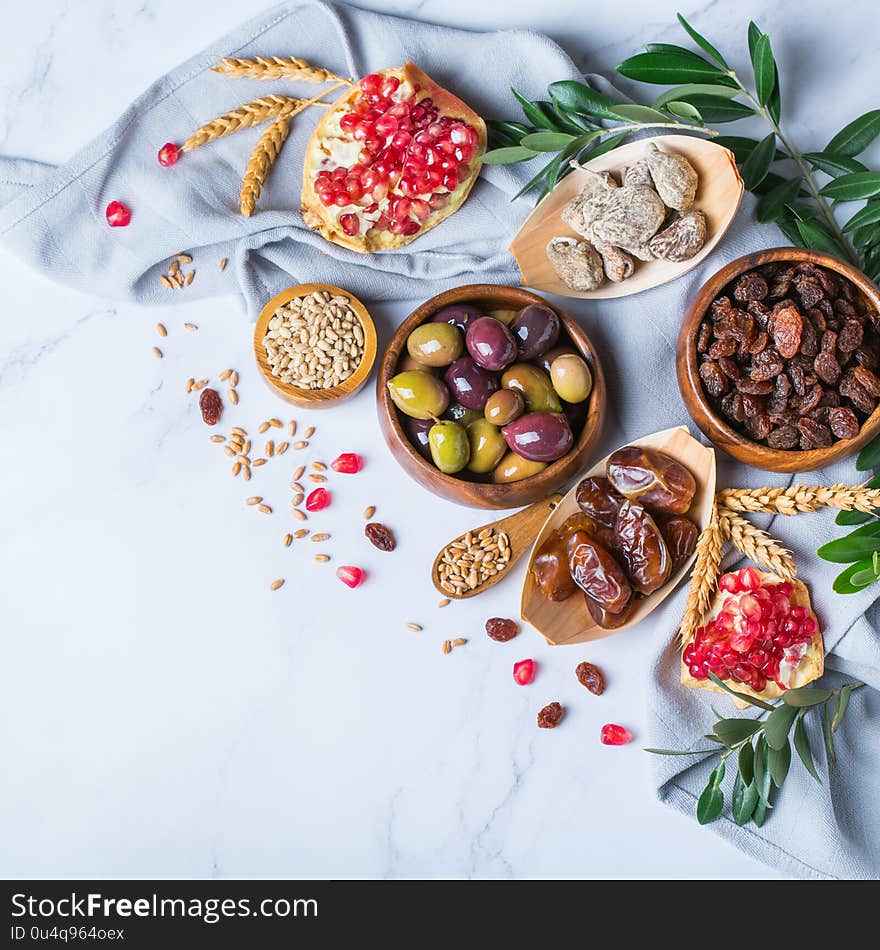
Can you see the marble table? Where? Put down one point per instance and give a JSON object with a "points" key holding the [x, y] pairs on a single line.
{"points": [[163, 713]]}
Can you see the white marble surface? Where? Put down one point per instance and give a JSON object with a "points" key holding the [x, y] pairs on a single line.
{"points": [[163, 714]]}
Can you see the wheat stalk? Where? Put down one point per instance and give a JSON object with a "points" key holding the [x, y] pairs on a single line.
{"points": [[262, 158], [244, 117], [275, 67], [710, 546], [795, 498], [756, 544]]}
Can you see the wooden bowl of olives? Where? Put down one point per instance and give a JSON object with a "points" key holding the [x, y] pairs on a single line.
{"points": [[490, 396]]}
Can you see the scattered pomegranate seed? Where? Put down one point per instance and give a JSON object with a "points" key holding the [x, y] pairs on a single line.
{"points": [[351, 576], [169, 154], [612, 734], [118, 215], [349, 463], [524, 671], [318, 500]]}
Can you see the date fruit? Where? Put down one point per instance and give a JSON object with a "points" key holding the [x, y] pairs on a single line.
{"points": [[595, 497], [550, 568], [680, 535], [652, 478], [594, 569], [605, 620], [642, 548]]}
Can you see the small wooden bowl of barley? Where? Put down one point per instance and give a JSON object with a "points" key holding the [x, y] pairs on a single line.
{"points": [[314, 377]]}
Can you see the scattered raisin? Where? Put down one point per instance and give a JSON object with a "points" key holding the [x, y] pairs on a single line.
{"points": [[590, 676], [211, 405], [550, 716], [501, 629], [380, 536]]}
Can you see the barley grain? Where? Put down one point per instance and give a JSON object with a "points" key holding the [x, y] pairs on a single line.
{"points": [[222, 265], [369, 511], [288, 540], [321, 537], [300, 533], [160, 329], [190, 326], [157, 353], [276, 583], [300, 515], [322, 558], [414, 627], [254, 500], [233, 397], [265, 509]]}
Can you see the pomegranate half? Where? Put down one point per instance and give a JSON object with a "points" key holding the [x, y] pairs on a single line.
{"points": [[389, 160], [760, 636]]}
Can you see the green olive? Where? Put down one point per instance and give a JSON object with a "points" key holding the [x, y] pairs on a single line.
{"points": [[450, 448], [407, 362], [534, 386], [571, 377], [514, 468], [463, 416], [504, 406], [505, 316], [435, 344], [487, 446], [419, 394]]}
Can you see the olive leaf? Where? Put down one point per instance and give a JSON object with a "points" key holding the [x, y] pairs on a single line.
{"points": [[607, 146], [762, 771], [757, 165], [683, 751], [754, 34], [747, 763], [744, 697], [817, 236], [546, 141], [853, 187], [534, 113], [671, 66], [802, 746], [716, 109], [578, 97], [827, 734], [702, 42], [780, 762], [854, 138], [870, 214], [869, 457], [778, 725], [508, 155], [641, 113], [684, 110], [833, 163], [804, 697], [842, 704], [844, 584], [745, 797], [690, 89], [732, 731], [764, 67], [711, 801], [854, 546], [774, 203]]}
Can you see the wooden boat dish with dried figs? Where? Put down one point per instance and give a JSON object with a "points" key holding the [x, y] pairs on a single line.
{"points": [[490, 396], [389, 160], [778, 359], [633, 553], [717, 198], [327, 378]]}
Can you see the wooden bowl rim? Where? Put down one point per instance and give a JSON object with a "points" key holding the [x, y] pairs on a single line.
{"points": [[503, 293], [703, 413], [346, 388]]}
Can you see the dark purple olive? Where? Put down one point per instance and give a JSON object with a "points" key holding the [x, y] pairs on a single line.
{"points": [[539, 436], [417, 430], [545, 360], [536, 329], [469, 383], [460, 315], [491, 344]]}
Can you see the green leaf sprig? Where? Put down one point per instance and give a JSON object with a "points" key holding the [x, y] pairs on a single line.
{"points": [[763, 749], [578, 123]]}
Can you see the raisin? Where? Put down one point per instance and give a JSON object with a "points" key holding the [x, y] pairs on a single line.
{"points": [[732, 406], [730, 368], [787, 327], [810, 399], [829, 341], [713, 379], [736, 324], [591, 677], [843, 422], [750, 286], [380, 536], [828, 281], [766, 365], [752, 404], [785, 437], [827, 368], [814, 435], [550, 716], [761, 313], [866, 357], [720, 348], [755, 387], [501, 629], [809, 339], [759, 344], [758, 426], [796, 374], [720, 306], [850, 336], [810, 291], [704, 336], [211, 405], [817, 318], [781, 284], [843, 307], [867, 380], [831, 397]]}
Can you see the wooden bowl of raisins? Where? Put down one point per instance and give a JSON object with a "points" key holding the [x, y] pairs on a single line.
{"points": [[778, 360]]}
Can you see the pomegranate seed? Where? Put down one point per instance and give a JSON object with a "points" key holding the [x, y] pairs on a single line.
{"points": [[749, 578], [729, 582], [371, 83], [612, 734], [351, 576], [390, 86], [118, 215], [169, 154], [524, 671], [349, 463], [350, 224], [411, 227], [318, 499]]}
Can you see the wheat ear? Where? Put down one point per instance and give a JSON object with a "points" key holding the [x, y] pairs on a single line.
{"points": [[710, 546], [795, 498], [275, 67], [244, 117], [756, 544], [262, 158]]}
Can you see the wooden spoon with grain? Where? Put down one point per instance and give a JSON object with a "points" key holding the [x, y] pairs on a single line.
{"points": [[521, 530]]}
